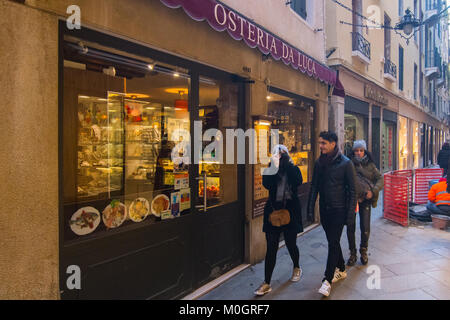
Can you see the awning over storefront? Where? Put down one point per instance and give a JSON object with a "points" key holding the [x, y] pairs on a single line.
{"points": [[339, 88], [222, 18]]}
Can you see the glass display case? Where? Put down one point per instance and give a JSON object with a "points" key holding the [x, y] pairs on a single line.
{"points": [[142, 128], [117, 148], [99, 148]]}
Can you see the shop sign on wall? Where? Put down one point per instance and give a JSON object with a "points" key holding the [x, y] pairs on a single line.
{"points": [[374, 94], [222, 18]]}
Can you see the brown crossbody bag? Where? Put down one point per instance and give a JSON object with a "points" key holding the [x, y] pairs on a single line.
{"points": [[282, 217]]}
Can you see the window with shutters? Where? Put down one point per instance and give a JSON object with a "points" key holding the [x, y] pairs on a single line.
{"points": [[415, 81], [387, 37], [299, 6], [400, 62]]}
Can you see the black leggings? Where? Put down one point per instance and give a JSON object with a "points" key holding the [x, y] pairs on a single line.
{"points": [[273, 239], [364, 223]]}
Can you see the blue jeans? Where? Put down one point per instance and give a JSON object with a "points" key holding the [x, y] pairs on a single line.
{"points": [[442, 210]]}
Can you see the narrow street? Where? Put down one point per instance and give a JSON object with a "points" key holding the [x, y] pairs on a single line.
{"points": [[146, 145], [414, 264]]}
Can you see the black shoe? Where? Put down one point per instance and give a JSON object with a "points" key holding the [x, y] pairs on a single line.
{"points": [[352, 260], [364, 257]]}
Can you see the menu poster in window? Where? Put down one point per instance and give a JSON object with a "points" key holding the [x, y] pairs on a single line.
{"points": [[175, 198], [181, 181], [185, 199]]}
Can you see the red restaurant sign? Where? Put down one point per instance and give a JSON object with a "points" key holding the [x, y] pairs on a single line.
{"points": [[221, 18]]}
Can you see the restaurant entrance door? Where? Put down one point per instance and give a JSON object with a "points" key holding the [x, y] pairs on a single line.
{"points": [[218, 178]]}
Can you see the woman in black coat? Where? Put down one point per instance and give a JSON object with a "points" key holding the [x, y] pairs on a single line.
{"points": [[283, 194], [369, 183]]}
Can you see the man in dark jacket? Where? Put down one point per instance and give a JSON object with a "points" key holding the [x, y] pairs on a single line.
{"points": [[334, 179], [444, 157]]}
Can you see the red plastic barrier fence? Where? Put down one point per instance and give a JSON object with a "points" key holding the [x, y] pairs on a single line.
{"points": [[409, 174], [396, 196], [422, 177]]}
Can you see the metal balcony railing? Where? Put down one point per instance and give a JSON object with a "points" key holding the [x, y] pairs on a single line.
{"points": [[390, 68], [433, 5], [433, 59], [361, 44]]}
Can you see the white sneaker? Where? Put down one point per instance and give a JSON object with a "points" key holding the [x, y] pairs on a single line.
{"points": [[263, 289], [296, 275], [325, 289], [339, 275]]}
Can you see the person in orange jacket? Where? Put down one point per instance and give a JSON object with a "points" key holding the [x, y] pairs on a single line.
{"points": [[439, 196]]}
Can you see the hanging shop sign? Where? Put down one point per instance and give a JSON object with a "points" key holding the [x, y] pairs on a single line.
{"points": [[222, 18]]}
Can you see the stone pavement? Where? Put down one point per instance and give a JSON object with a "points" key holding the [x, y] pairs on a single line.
{"points": [[414, 264]]}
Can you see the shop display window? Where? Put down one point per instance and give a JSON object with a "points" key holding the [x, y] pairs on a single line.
{"points": [[415, 151], [376, 141], [356, 128], [293, 118], [387, 147], [217, 111], [403, 143], [122, 117]]}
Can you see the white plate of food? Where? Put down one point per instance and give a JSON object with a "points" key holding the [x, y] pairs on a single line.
{"points": [[139, 209], [160, 203], [114, 214], [85, 221]]}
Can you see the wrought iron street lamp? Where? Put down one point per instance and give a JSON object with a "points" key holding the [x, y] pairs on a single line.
{"points": [[409, 23]]}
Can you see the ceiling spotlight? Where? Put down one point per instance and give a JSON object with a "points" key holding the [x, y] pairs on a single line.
{"points": [[151, 66]]}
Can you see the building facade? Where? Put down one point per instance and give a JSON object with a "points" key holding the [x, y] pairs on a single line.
{"points": [[98, 110], [396, 89]]}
